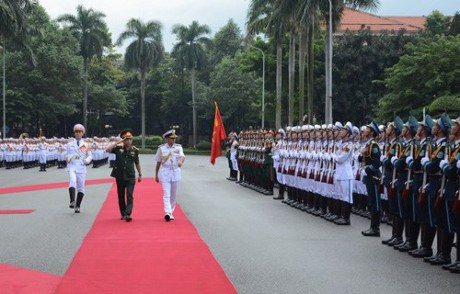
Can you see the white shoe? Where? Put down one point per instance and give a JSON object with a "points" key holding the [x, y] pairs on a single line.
{"points": [[171, 217]]}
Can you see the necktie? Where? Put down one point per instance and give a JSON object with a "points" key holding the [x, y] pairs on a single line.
{"points": [[78, 143]]}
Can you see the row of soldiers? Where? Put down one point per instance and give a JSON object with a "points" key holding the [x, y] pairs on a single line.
{"points": [[406, 174], [47, 152]]}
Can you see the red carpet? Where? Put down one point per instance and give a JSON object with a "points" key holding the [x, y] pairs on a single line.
{"points": [[147, 255], [17, 211], [19, 189], [19, 280]]}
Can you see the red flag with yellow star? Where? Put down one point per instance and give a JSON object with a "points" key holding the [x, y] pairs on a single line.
{"points": [[218, 134]]}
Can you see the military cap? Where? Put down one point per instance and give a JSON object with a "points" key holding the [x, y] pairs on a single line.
{"points": [[373, 126], [338, 125], [170, 134], [349, 127], [79, 127], [398, 124], [445, 123]]}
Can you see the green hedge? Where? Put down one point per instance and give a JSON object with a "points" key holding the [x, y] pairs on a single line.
{"points": [[203, 146], [151, 142]]}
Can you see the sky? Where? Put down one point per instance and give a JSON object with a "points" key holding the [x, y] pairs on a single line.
{"points": [[214, 13]]}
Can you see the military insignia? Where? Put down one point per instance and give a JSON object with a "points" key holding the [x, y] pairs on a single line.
{"points": [[176, 151], [422, 153], [375, 150], [133, 153], [392, 152], [440, 155]]}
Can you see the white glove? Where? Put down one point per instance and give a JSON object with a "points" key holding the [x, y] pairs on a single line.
{"points": [[393, 160], [382, 158], [88, 160], [443, 163], [458, 164], [409, 159], [424, 160]]}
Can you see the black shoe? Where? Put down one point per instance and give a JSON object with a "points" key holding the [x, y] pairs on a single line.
{"points": [[278, 197], [440, 260], [372, 232], [396, 241], [396, 247], [77, 209], [122, 217], [449, 265], [408, 247], [430, 258], [167, 217], [455, 269], [385, 242], [72, 204], [128, 218], [423, 252], [342, 222]]}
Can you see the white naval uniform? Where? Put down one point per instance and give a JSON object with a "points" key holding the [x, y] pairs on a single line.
{"points": [[78, 156], [233, 155], [169, 173], [344, 172]]}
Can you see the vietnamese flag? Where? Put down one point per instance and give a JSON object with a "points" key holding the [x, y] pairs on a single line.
{"points": [[218, 134]]}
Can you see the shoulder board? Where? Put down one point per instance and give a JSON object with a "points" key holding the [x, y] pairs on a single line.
{"points": [[135, 148], [178, 145]]}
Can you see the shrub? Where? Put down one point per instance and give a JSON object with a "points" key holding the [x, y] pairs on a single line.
{"points": [[151, 142], [203, 145]]}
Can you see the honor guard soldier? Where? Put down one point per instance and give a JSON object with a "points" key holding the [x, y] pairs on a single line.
{"points": [[42, 147], [169, 157], [343, 178], [407, 200], [455, 167], [419, 184], [278, 161], [391, 181], [78, 157], [371, 159], [126, 158], [431, 165], [442, 196]]}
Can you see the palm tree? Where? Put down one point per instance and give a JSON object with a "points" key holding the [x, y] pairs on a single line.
{"points": [[263, 18], [89, 28], [145, 51], [189, 52], [13, 27]]}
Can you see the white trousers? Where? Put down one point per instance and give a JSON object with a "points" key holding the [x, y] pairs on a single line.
{"points": [[169, 196], [77, 181]]}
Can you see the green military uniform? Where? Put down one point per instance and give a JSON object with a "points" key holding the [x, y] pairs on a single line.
{"points": [[125, 175]]}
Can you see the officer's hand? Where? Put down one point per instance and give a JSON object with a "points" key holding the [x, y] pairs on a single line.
{"points": [[157, 179], [179, 163], [139, 179]]}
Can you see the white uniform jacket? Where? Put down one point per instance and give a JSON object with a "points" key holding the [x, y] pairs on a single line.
{"points": [[344, 161], [169, 157], [78, 156]]}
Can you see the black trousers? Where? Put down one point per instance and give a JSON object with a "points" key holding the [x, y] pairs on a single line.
{"points": [[125, 189]]}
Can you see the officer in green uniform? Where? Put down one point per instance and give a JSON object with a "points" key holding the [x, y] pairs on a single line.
{"points": [[127, 156]]}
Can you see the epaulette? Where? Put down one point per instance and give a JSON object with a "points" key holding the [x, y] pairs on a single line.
{"points": [[135, 148], [175, 144]]}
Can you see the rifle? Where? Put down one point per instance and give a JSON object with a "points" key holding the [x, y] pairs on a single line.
{"points": [[334, 166], [440, 194], [392, 190], [361, 164], [406, 191], [326, 168], [380, 188], [422, 198]]}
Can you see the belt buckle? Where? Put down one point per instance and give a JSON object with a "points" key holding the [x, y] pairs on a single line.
{"points": [[77, 157]]}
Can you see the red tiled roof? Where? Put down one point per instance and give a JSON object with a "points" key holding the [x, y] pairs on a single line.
{"points": [[355, 20]]}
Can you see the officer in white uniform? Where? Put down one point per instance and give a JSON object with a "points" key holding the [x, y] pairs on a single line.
{"points": [[78, 157], [169, 158]]}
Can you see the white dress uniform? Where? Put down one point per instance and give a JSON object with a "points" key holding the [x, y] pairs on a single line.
{"points": [[169, 173], [344, 172], [78, 156], [234, 155]]}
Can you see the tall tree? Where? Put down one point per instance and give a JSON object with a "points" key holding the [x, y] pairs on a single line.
{"points": [[89, 28], [144, 52], [263, 18], [189, 52], [13, 27]]}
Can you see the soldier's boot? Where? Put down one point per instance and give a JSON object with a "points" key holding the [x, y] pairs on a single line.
{"points": [[344, 220], [398, 225], [445, 247], [329, 206], [431, 234], [455, 267], [79, 199], [425, 245], [406, 235], [281, 188], [338, 211], [411, 241], [374, 230], [393, 236], [72, 197]]}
